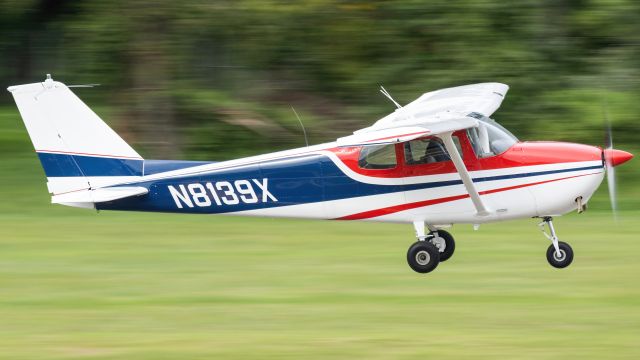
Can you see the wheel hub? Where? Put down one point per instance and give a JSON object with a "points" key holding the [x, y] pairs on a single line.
{"points": [[561, 257], [423, 257]]}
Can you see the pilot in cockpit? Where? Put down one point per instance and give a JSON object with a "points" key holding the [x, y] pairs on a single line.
{"points": [[425, 151]]}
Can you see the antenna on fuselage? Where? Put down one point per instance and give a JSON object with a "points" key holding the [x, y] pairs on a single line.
{"points": [[301, 125], [386, 93]]}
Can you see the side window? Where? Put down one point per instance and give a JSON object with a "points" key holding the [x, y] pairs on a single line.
{"points": [[427, 151], [378, 157]]}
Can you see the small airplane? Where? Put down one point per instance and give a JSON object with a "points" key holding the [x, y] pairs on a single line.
{"points": [[437, 161]]}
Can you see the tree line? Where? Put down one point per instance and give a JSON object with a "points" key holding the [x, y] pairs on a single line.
{"points": [[217, 79]]}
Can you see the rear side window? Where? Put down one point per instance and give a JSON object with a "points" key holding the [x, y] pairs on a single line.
{"points": [[428, 151], [378, 157]]}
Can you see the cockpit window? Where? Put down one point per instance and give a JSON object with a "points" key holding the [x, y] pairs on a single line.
{"points": [[490, 138], [378, 157], [427, 151]]}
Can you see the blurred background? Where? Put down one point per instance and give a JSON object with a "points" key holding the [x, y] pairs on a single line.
{"points": [[214, 80], [217, 79]]}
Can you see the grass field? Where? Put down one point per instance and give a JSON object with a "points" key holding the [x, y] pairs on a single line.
{"points": [[76, 284]]}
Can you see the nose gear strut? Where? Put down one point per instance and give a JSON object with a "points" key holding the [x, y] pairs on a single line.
{"points": [[559, 254]]}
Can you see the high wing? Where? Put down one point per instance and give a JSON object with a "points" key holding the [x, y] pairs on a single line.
{"points": [[407, 133], [440, 105], [437, 113], [433, 113]]}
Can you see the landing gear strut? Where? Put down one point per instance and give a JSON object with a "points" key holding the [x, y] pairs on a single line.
{"points": [[430, 249], [444, 242], [559, 254]]}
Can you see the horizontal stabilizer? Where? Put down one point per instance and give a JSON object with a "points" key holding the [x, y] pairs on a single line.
{"points": [[99, 195]]}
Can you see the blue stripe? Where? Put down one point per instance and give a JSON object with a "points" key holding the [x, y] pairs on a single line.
{"points": [[293, 181], [538, 173], [57, 165]]}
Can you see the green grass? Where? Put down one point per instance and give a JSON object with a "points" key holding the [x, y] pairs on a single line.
{"points": [[118, 285], [77, 284]]}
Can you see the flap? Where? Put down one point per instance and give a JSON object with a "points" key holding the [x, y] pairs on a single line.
{"points": [[99, 195]]}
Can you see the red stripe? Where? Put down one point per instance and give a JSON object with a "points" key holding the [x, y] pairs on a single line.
{"points": [[89, 154], [397, 208], [401, 207], [398, 136]]}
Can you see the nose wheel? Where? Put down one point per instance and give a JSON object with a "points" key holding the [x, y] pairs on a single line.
{"points": [[559, 253], [563, 258]]}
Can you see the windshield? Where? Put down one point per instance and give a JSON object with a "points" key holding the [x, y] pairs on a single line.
{"points": [[490, 138]]}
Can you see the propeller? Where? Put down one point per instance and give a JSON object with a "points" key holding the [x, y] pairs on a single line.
{"points": [[612, 158], [609, 165]]}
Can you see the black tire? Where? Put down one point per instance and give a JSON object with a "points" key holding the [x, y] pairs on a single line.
{"points": [[449, 245], [423, 257], [566, 258]]}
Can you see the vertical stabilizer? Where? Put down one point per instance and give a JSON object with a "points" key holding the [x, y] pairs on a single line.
{"points": [[76, 148]]}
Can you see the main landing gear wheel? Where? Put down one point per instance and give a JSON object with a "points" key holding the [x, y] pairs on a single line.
{"points": [[423, 257], [561, 260], [444, 242]]}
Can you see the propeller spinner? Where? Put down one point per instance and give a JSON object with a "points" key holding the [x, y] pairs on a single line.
{"points": [[612, 158]]}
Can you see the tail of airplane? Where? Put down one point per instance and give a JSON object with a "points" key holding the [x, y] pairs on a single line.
{"points": [[77, 150]]}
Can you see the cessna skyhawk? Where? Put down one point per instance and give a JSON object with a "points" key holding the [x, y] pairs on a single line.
{"points": [[438, 161]]}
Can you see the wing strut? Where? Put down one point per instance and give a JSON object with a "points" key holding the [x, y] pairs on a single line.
{"points": [[464, 174]]}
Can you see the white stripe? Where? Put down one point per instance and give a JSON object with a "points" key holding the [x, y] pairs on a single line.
{"points": [[64, 184]]}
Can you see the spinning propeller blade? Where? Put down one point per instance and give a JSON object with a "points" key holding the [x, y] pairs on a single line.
{"points": [[612, 158], [611, 173]]}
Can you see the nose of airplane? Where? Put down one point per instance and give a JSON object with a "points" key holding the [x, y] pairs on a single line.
{"points": [[616, 157]]}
